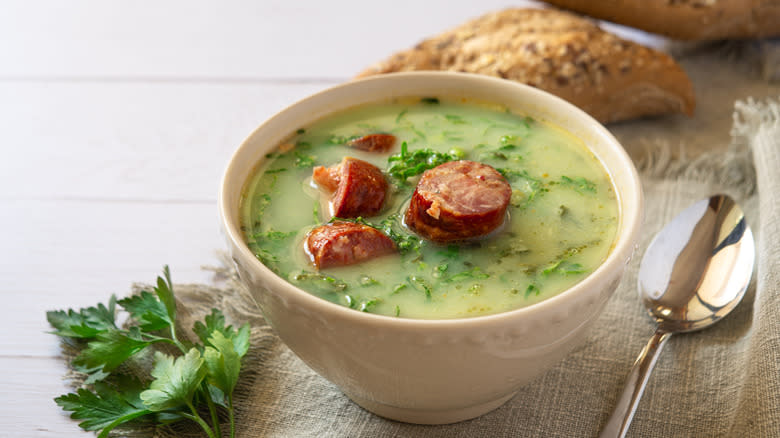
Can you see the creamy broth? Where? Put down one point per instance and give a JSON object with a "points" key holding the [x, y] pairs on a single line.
{"points": [[561, 222]]}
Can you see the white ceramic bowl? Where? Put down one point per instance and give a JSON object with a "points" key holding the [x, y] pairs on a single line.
{"points": [[431, 371]]}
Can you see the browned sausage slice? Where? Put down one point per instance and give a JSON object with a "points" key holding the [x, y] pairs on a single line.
{"points": [[346, 243], [359, 187], [458, 200], [373, 142]]}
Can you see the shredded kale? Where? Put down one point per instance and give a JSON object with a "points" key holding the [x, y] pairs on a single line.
{"points": [[266, 244], [579, 184], [316, 212], [272, 235], [420, 284], [469, 274], [391, 227], [451, 252], [341, 139], [509, 140], [303, 160], [401, 115], [563, 267], [515, 247], [320, 281], [455, 119], [405, 124], [366, 281], [527, 188], [501, 153], [398, 288], [365, 306], [405, 242]]}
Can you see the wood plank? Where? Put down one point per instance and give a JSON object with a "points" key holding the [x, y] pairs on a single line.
{"points": [[72, 254], [128, 140], [27, 391], [196, 39]]}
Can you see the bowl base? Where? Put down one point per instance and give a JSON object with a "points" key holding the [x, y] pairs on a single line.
{"points": [[425, 416]]}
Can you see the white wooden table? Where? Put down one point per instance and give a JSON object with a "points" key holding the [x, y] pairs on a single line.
{"points": [[116, 122]]}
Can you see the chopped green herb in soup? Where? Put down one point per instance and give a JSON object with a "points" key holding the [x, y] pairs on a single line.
{"points": [[431, 208]]}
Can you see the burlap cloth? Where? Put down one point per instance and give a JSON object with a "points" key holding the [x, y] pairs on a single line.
{"points": [[720, 382]]}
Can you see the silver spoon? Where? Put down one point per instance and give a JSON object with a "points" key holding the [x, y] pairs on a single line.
{"points": [[694, 272]]}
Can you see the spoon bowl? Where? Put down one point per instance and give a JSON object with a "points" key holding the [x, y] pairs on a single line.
{"points": [[694, 272]]}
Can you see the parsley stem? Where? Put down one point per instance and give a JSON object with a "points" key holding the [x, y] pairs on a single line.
{"points": [[212, 409], [105, 431], [198, 419], [179, 345], [176, 340], [232, 416]]}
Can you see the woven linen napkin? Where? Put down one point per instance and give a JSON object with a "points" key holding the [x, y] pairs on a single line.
{"points": [[720, 382]]}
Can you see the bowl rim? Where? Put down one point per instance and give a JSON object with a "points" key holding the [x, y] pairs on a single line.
{"points": [[623, 247]]}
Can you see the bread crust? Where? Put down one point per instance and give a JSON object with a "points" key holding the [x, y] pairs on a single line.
{"points": [[610, 78], [687, 19]]}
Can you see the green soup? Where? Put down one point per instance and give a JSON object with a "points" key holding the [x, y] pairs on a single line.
{"points": [[560, 226]]}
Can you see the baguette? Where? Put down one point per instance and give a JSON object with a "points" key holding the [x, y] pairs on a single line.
{"points": [[610, 78], [695, 20]]}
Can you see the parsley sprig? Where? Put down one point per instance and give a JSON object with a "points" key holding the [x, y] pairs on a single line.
{"points": [[204, 372], [406, 164]]}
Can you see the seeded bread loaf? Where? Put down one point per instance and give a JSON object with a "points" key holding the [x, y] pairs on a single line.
{"points": [[687, 19], [610, 78]]}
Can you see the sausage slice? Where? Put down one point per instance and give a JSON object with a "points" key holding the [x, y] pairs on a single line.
{"points": [[358, 187], [373, 142], [458, 200], [346, 243]]}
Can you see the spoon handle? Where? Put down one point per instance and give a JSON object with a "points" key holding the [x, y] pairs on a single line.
{"points": [[621, 417]]}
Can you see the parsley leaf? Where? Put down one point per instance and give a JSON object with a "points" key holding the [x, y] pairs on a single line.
{"points": [[176, 380], [103, 409], [110, 349], [215, 323], [223, 363], [165, 294], [84, 324], [148, 311]]}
